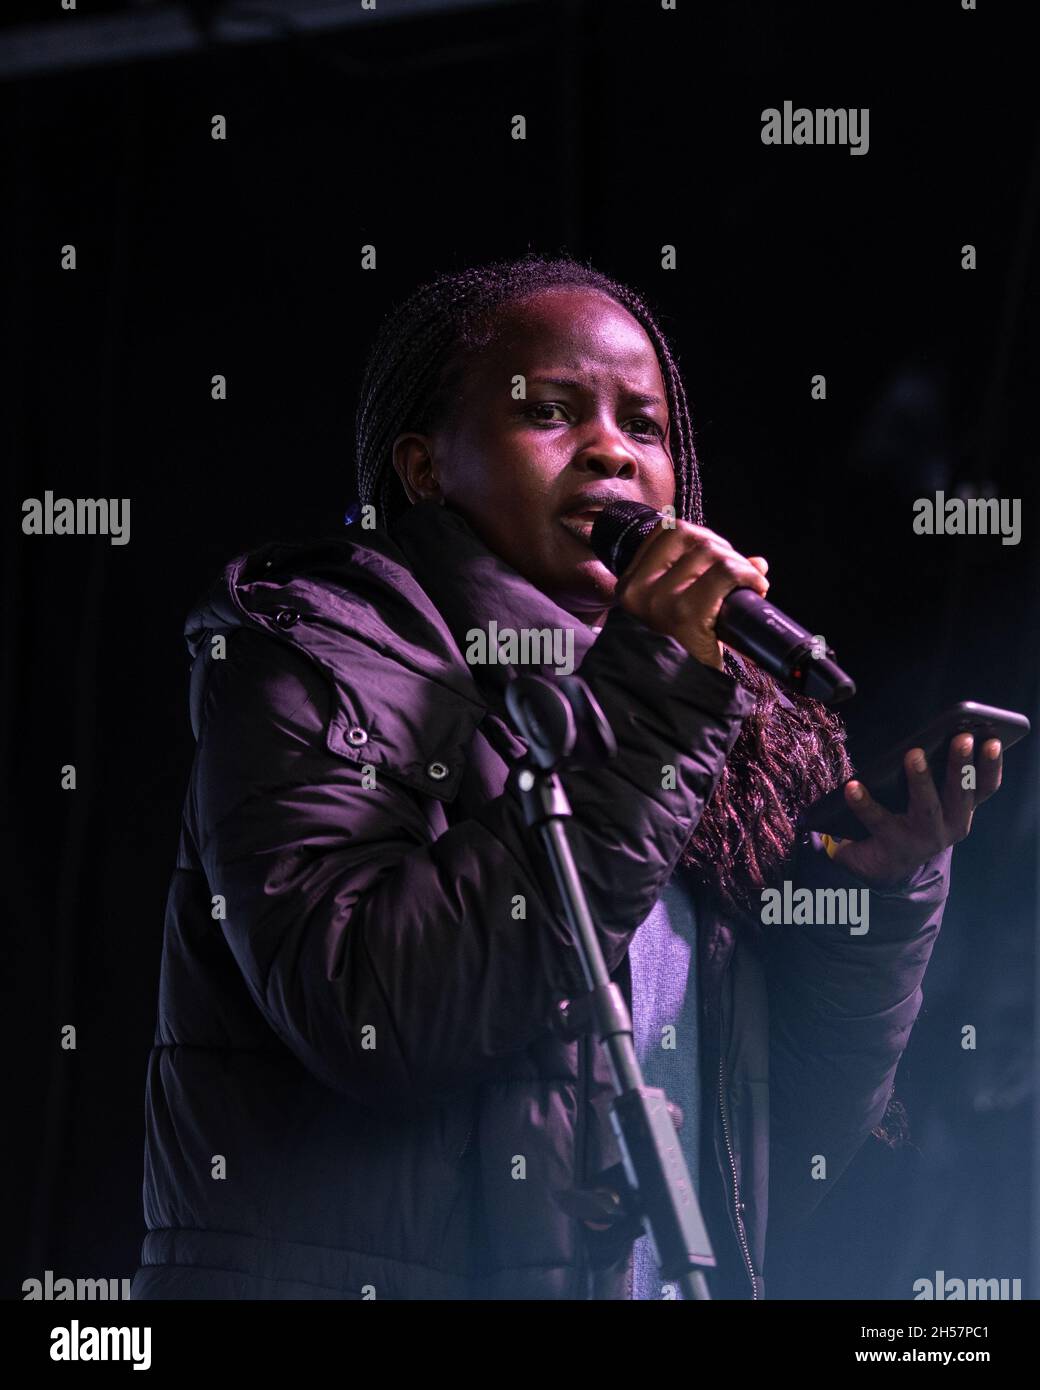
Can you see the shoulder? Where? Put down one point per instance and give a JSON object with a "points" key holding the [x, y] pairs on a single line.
{"points": [[353, 611]]}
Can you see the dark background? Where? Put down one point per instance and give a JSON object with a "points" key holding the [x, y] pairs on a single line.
{"points": [[243, 257]]}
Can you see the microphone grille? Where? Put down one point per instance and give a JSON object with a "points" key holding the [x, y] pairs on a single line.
{"points": [[618, 532]]}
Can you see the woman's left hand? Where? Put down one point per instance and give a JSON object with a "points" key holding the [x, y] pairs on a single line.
{"points": [[899, 844]]}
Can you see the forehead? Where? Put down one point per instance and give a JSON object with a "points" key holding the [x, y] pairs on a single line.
{"points": [[578, 329]]}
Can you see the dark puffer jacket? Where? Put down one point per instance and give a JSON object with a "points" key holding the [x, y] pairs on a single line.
{"points": [[363, 1082]]}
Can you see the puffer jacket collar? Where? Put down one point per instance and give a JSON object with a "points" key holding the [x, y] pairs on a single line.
{"points": [[478, 588]]}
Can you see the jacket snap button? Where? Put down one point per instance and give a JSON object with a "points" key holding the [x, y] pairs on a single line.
{"points": [[357, 736], [287, 617], [437, 771]]}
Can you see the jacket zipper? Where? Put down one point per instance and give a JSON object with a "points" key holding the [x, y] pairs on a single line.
{"points": [[733, 1174]]}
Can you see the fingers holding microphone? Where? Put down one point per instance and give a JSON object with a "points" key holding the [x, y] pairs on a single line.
{"points": [[678, 580]]}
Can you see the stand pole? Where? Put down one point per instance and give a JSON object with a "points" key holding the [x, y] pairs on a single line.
{"points": [[562, 725]]}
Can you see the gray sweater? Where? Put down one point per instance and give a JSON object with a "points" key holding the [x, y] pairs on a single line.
{"points": [[663, 960]]}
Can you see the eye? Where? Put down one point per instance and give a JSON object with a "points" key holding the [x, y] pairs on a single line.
{"points": [[647, 423], [543, 405], [646, 427]]}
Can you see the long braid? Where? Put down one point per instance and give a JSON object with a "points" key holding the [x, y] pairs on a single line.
{"points": [[784, 757]]}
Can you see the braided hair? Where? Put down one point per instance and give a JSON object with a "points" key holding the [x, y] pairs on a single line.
{"points": [[785, 755]]}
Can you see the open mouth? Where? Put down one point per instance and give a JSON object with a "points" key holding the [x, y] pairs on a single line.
{"points": [[580, 524]]}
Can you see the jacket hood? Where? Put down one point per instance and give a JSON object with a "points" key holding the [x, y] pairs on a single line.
{"points": [[415, 596], [404, 699], [387, 618]]}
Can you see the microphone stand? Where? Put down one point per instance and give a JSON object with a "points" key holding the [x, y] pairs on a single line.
{"points": [[563, 726]]}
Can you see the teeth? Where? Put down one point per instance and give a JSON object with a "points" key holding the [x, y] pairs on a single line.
{"points": [[578, 526]]}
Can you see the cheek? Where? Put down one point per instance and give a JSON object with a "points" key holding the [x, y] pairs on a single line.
{"points": [[664, 484], [490, 469], [515, 489], [507, 488], [520, 527]]}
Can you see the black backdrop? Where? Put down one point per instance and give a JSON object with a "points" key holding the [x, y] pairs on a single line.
{"points": [[242, 257]]}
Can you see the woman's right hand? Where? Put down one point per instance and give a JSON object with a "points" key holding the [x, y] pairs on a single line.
{"points": [[678, 579]]}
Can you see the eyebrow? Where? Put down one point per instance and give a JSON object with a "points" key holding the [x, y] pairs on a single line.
{"points": [[640, 397]]}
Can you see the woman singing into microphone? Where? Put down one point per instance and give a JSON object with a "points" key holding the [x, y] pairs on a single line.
{"points": [[368, 1078]]}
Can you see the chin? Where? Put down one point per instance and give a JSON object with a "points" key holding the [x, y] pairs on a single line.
{"points": [[589, 589]]}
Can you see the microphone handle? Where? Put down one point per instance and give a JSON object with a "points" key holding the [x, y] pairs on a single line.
{"points": [[748, 623], [758, 629]]}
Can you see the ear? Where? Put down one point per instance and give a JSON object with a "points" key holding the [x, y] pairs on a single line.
{"points": [[413, 462]]}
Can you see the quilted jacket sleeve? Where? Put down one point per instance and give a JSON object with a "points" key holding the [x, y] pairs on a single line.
{"points": [[389, 959], [841, 1008]]}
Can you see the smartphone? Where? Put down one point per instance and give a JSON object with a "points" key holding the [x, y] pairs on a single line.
{"points": [[885, 777]]}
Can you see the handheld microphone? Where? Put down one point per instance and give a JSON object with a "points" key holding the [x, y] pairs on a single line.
{"points": [[747, 622]]}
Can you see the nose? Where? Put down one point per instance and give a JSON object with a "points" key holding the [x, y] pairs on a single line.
{"points": [[607, 456]]}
